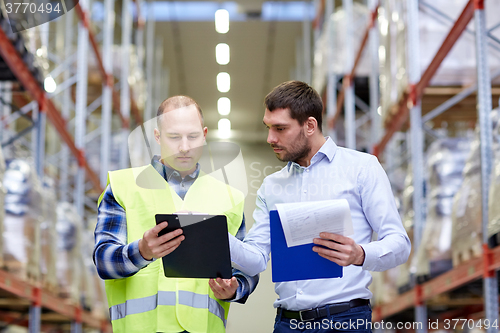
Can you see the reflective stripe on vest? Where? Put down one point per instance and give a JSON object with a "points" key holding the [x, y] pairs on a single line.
{"points": [[149, 303]]}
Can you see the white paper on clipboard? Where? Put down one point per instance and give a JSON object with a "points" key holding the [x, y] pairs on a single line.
{"points": [[303, 221]]}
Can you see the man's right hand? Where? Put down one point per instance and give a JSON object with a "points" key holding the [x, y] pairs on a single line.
{"points": [[151, 246]]}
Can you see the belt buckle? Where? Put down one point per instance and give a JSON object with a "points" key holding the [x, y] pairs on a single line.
{"points": [[300, 314]]}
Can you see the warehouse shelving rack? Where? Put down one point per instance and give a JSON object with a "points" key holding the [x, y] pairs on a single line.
{"points": [[409, 108], [18, 294]]}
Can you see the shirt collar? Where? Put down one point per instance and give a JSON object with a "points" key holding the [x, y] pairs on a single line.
{"points": [[168, 172], [328, 149]]}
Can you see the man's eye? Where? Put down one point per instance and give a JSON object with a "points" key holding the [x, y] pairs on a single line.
{"points": [[192, 137], [280, 128], [175, 137]]}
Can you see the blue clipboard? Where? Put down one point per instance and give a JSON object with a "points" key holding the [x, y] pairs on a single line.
{"points": [[297, 262]]}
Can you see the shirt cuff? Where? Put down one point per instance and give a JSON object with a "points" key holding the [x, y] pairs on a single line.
{"points": [[135, 256], [371, 256]]}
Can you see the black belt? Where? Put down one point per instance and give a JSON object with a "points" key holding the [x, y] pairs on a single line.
{"points": [[312, 314]]}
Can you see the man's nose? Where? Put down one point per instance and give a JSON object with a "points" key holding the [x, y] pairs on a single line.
{"points": [[271, 138], [184, 145]]}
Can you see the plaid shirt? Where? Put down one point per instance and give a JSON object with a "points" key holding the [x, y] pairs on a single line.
{"points": [[116, 259]]}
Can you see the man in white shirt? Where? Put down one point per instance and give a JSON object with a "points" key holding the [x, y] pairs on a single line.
{"points": [[319, 170]]}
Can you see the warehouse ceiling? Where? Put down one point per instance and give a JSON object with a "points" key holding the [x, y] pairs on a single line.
{"points": [[262, 56]]}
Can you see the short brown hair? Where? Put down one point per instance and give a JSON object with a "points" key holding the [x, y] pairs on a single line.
{"points": [[300, 98], [177, 102]]}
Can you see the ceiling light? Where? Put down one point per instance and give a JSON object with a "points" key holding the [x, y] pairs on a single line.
{"points": [[224, 127], [49, 84], [224, 106], [222, 54], [223, 82], [222, 21]]}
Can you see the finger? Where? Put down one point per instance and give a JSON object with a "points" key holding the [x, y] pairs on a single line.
{"points": [[330, 253], [169, 236], [159, 227], [234, 283], [333, 237], [216, 288], [168, 247], [224, 283], [328, 243]]}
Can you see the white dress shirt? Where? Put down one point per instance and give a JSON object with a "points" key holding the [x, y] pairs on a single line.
{"points": [[334, 173]]}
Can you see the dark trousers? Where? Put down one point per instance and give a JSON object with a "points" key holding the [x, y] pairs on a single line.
{"points": [[356, 319]]}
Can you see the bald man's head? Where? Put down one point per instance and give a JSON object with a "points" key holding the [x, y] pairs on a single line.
{"points": [[175, 103]]}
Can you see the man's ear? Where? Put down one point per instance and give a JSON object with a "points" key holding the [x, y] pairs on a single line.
{"points": [[205, 131], [311, 125], [157, 135]]}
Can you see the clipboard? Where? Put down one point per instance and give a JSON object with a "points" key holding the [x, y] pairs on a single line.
{"points": [[204, 253], [297, 262]]}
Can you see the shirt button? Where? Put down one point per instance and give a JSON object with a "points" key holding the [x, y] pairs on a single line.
{"points": [[307, 170], [300, 292], [305, 191]]}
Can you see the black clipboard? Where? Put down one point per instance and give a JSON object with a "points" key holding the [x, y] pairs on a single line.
{"points": [[204, 253]]}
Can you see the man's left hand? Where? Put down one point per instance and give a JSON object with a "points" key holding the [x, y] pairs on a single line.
{"points": [[224, 288], [340, 249]]}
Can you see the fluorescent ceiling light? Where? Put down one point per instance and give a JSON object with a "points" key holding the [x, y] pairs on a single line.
{"points": [[49, 84], [222, 21], [224, 127], [222, 54], [223, 82], [224, 106]]}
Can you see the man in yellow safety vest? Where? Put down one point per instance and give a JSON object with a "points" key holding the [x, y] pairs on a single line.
{"points": [[140, 297]]}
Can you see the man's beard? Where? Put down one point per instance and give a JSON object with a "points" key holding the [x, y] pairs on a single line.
{"points": [[296, 152]]}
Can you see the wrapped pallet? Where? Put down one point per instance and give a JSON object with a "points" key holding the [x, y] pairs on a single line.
{"points": [[445, 164], [69, 263], [48, 237], [467, 233], [23, 216], [494, 196]]}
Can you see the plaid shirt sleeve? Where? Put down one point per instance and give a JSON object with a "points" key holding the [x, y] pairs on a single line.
{"points": [[246, 283], [113, 257]]}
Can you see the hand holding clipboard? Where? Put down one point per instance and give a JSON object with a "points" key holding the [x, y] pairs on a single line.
{"points": [[204, 250]]}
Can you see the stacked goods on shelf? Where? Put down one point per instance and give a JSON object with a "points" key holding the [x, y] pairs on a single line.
{"points": [[494, 197], [69, 264], [335, 49], [458, 68], [48, 237], [445, 163], [3, 191], [87, 283], [23, 216], [99, 305], [467, 212]]}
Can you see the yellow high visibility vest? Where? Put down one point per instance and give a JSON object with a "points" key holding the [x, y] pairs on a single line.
{"points": [[148, 301]]}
